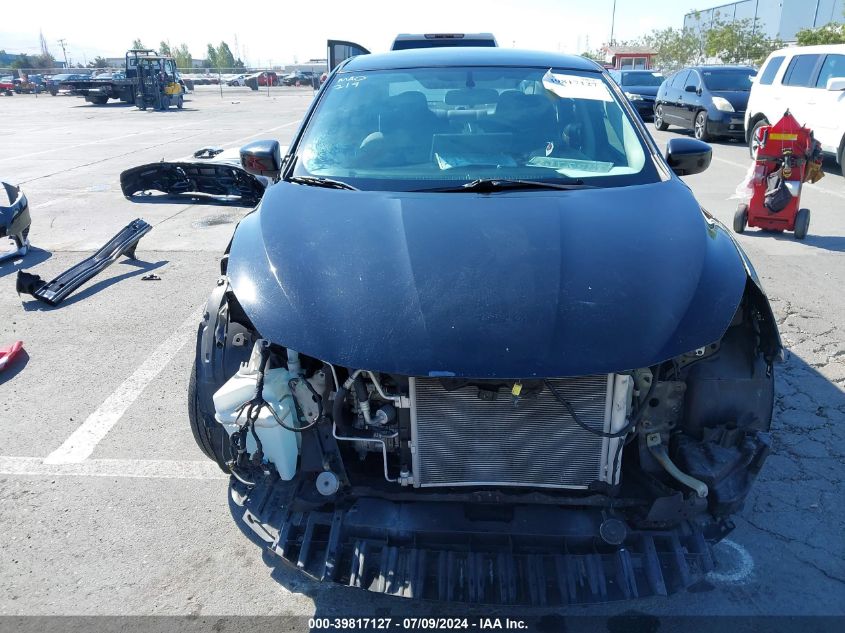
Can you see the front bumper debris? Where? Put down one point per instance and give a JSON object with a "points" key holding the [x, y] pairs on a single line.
{"points": [[508, 555], [15, 221], [55, 291], [217, 182]]}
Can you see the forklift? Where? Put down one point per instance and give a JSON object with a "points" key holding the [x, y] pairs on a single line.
{"points": [[157, 84]]}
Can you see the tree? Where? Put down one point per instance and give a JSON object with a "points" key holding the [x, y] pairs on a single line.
{"points": [[738, 41], [221, 57], [674, 48], [183, 56], [24, 61], [596, 56], [211, 57], [164, 49], [99, 62], [136, 43], [832, 33]]}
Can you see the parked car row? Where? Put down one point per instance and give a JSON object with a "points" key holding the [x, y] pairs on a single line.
{"points": [[735, 101]]}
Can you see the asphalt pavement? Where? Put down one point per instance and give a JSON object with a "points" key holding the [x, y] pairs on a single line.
{"points": [[126, 516]]}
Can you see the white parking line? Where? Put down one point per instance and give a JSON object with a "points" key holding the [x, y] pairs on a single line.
{"points": [[738, 570], [82, 442], [137, 468], [157, 130]]}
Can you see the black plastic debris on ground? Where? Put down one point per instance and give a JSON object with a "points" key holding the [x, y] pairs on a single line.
{"points": [[55, 291], [202, 181], [15, 221]]}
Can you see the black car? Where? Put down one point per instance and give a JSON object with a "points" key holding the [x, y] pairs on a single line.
{"points": [[640, 86], [709, 100], [451, 354], [302, 77]]}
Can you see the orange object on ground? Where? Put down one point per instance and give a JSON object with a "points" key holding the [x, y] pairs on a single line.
{"points": [[787, 157], [7, 354]]}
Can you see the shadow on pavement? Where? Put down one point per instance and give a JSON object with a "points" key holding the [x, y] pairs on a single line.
{"points": [[825, 242], [34, 257]]}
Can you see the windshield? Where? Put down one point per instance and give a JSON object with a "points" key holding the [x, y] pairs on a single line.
{"points": [[417, 129], [642, 79], [739, 80]]}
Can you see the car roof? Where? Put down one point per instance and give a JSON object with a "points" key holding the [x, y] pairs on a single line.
{"points": [[723, 67], [467, 56], [818, 48]]}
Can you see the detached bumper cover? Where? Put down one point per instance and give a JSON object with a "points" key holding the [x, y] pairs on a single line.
{"points": [[535, 556], [15, 221], [55, 291], [220, 182]]}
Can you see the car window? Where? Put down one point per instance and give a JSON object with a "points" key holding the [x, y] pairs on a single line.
{"points": [[422, 128], [771, 69], [642, 79], [735, 79], [833, 66], [692, 80], [679, 80], [800, 70]]}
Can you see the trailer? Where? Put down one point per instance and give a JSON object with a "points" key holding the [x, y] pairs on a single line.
{"points": [[150, 80]]}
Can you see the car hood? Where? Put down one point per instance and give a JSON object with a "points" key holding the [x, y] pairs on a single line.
{"points": [[646, 91], [511, 285], [738, 99]]}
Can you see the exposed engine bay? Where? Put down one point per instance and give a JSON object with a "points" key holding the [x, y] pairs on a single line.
{"points": [[635, 470]]}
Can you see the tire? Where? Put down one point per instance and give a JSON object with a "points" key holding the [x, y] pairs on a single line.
{"points": [[802, 223], [99, 100], [741, 218], [842, 157], [659, 123], [700, 126], [54, 92], [210, 436], [179, 102], [752, 146]]}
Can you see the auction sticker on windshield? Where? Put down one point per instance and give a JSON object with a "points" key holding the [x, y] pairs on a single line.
{"points": [[576, 87]]}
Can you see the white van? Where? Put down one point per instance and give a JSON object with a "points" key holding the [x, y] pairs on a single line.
{"points": [[809, 81]]}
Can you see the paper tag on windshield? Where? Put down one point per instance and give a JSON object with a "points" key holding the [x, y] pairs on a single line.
{"points": [[576, 87]]}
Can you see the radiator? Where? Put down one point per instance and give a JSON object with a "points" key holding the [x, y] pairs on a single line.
{"points": [[459, 439]]}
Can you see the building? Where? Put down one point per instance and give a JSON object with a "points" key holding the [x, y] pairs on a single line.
{"points": [[776, 18], [628, 57]]}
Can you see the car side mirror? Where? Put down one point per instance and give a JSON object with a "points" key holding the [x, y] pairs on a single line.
{"points": [[262, 158], [687, 156], [691, 89], [836, 83]]}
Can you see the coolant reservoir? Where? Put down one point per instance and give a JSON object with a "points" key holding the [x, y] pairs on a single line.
{"points": [[281, 447]]}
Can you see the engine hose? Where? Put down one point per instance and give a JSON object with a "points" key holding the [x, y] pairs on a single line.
{"points": [[625, 429], [338, 413], [363, 397]]}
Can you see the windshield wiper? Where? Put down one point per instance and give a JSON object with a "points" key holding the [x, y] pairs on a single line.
{"points": [[328, 183], [485, 185]]}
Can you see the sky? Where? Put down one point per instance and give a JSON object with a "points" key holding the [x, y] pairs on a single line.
{"points": [[278, 33]]}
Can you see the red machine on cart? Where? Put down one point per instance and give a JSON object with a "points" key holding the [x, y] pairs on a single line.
{"points": [[787, 157]]}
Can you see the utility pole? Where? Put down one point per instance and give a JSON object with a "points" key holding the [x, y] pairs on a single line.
{"points": [[612, 23], [62, 43]]}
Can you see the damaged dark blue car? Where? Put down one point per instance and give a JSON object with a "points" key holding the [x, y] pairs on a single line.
{"points": [[478, 342]]}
